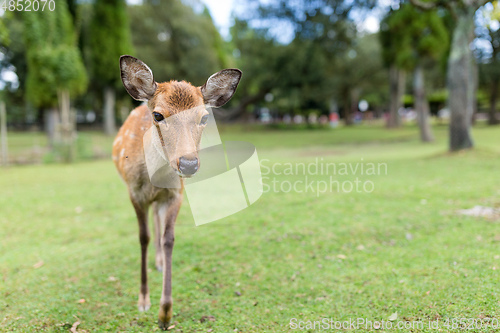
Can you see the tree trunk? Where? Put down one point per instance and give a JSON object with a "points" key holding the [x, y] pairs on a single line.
{"points": [[109, 111], [461, 83], [421, 105], [51, 125], [124, 112], [475, 83], [347, 108], [401, 91], [67, 127], [397, 79], [492, 119], [333, 106], [3, 134], [354, 101]]}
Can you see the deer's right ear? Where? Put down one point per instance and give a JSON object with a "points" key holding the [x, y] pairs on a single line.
{"points": [[137, 78], [220, 87]]}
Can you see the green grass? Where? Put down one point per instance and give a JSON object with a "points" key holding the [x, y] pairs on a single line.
{"points": [[31, 147], [402, 247]]}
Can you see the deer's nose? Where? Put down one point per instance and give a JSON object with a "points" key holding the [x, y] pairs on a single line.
{"points": [[188, 166]]}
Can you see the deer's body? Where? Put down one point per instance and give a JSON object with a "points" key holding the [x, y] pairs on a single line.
{"points": [[163, 100], [128, 155]]}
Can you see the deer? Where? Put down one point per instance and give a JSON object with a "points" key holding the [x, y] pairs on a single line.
{"points": [[162, 100]]}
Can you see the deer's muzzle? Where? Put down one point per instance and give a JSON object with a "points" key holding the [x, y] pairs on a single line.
{"points": [[187, 165]]}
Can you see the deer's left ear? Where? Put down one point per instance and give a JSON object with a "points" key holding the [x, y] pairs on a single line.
{"points": [[220, 87], [137, 78]]}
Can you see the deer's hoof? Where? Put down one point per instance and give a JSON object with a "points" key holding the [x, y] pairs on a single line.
{"points": [[163, 325], [159, 263], [143, 308], [144, 303], [165, 314]]}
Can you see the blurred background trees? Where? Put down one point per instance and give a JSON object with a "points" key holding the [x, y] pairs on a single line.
{"points": [[490, 63], [301, 60], [55, 70], [315, 66], [109, 38], [462, 76], [413, 39], [177, 42]]}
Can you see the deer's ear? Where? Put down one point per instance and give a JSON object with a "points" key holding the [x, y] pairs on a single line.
{"points": [[220, 87], [137, 78]]}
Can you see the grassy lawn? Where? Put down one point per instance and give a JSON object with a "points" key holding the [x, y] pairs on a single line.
{"points": [[401, 248], [31, 147]]}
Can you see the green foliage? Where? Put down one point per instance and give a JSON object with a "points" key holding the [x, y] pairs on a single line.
{"points": [[361, 68], [13, 50], [259, 58], [294, 73], [176, 42], [409, 35], [110, 37], [54, 61], [315, 66], [439, 96], [4, 33], [407, 100], [489, 67]]}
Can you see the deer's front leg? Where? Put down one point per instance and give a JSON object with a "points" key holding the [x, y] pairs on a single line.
{"points": [[167, 242], [142, 217], [157, 237]]}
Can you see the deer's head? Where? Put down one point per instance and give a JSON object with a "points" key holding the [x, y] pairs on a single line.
{"points": [[178, 108]]}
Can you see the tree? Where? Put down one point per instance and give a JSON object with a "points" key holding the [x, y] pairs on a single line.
{"points": [[294, 72], [490, 64], [492, 74], [461, 68], [360, 72], [412, 39], [54, 63], [177, 42], [297, 69], [110, 38], [14, 59], [4, 34], [397, 75]]}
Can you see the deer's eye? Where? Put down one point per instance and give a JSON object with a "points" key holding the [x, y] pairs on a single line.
{"points": [[158, 116], [204, 120]]}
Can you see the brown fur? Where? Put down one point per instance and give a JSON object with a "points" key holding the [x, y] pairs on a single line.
{"points": [[175, 96]]}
